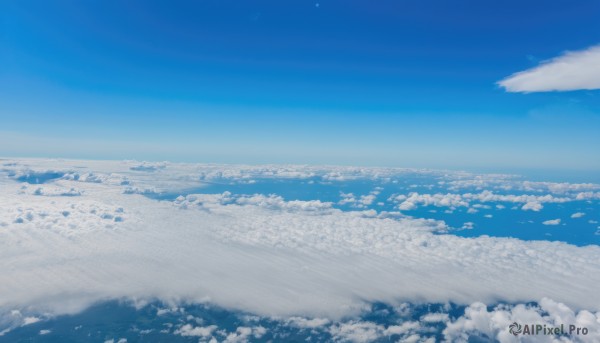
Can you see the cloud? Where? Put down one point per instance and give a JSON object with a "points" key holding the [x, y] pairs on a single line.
{"points": [[574, 70], [359, 332], [198, 331], [435, 317], [474, 322], [480, 323], [293, 258], [121, 340], [468, 226], [243, 334], [453, 200], [533, 206], [363, 331], [362, 202], [502, 182], [577, 215], [552, 222], [306, 323]]}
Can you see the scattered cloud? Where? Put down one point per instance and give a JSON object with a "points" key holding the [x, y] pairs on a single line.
{"points": [[359, 202], [360, 332], [454, 200], [552, 222], [533, 206], [188, 330], [479, 323], [468, 226]]}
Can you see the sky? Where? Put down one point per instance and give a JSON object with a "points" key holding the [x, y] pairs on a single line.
{"points": [[510, 85]]}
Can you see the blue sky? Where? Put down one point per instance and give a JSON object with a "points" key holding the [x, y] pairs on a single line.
{"points": [[396, 83]]}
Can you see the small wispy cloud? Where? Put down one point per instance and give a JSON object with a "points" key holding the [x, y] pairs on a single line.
{"points": [[552, 222], [571, 71]]}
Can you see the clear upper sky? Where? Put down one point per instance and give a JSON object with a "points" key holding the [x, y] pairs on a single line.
{"points": [[391, 83]]}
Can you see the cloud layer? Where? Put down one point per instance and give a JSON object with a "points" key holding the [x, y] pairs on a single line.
{"points": [[571, 71], [260, 254]]}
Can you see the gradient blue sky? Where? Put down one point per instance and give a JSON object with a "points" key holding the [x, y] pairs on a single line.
{"points": [[389, 83]]}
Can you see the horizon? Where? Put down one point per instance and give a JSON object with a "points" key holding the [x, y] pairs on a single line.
{"points": [[537, 174]]}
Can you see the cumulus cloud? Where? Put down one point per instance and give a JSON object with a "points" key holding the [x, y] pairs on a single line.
{"points": [[414, 199], [362, 331], [571, 71], [501, 182], [479, 322], [453, 200], [243, 334], [577, 215], [447, 323], [533, 206], [551, 222], [359, 332], [198, 331], [359, 202]]}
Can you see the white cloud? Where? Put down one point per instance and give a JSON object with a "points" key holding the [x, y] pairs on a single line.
{"points": [[402, 329], [533, 206], [242, 334], [347, 199], [359, 332], [435, 317], [531, 202], [502, 182], [439, 200], [468, 226], [577, 215], [587, 195], [551, 222], [571, 71], [30, 320], [307, 323], [478, 321], [362, 202], [198, 331], [293, 258]]}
